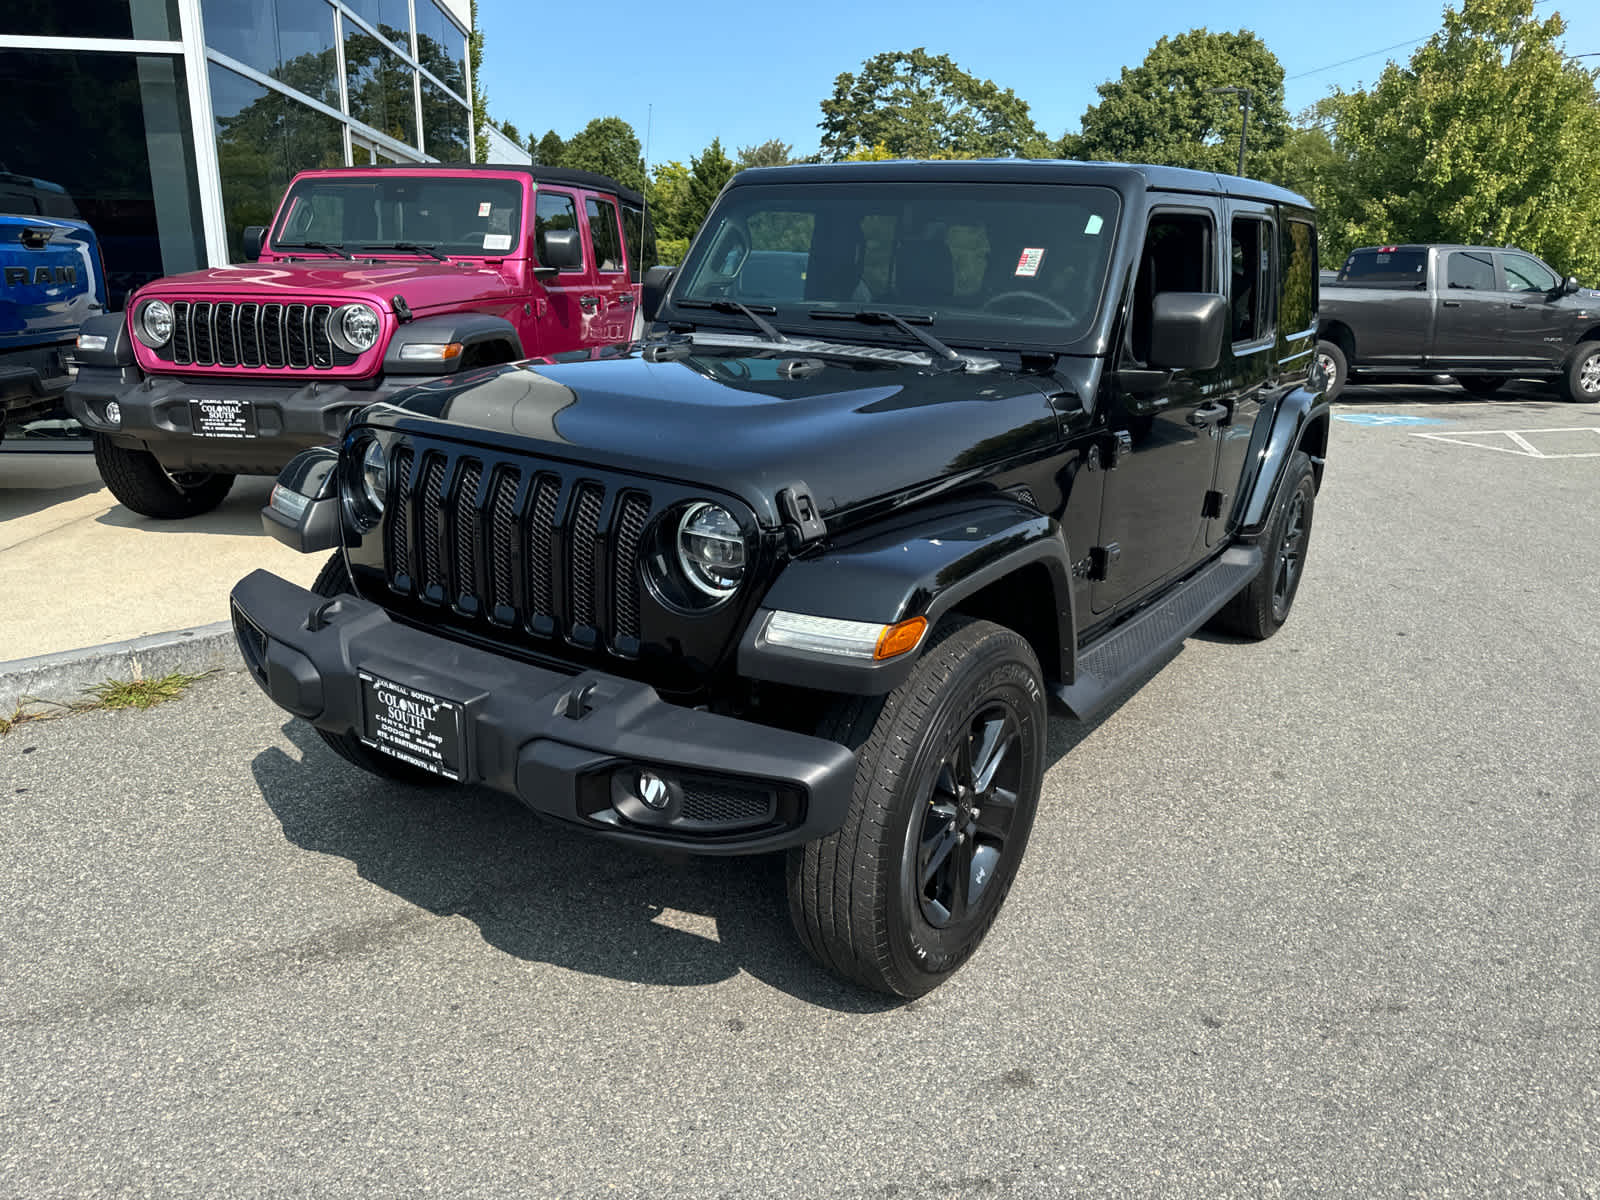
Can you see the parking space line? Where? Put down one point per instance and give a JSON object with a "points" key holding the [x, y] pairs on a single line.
{"points": [[1524, 443], [1520, 445]]}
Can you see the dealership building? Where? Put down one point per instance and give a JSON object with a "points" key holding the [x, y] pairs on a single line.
{"points": [[173, 124]]}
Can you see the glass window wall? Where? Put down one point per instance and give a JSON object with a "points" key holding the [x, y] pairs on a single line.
{"points": [[155, 20], [441, 47], [379, 84], [290, 40], [391, 18], [444, 121]]}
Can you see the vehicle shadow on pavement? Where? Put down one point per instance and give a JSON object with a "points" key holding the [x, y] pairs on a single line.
{"points": [[1527, 392], [238, 515], [543, 893]]}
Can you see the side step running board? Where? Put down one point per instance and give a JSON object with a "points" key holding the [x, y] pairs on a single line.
{"points": [[1107, 666]]}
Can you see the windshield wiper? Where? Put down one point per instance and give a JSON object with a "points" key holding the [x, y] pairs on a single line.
{"points": [[413, 247], [905, 324], [325, 247], [768, 330]]}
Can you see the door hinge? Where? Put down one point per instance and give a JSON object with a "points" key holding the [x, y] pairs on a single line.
{"points": [[1212, 508], [1102, 559]]}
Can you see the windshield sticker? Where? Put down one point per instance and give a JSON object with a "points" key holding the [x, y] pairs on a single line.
{"points": [[1095, 225], [497, 241], [485, 208], [1028, 264]]}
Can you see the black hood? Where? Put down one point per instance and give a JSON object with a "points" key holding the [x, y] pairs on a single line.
{"points": [[751, 422]]}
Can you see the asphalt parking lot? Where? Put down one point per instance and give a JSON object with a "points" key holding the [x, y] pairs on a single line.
{"points": [[1316, 916]]}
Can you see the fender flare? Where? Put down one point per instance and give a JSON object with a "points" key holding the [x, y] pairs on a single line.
{"points": [[923, 565], [1298, 410], [470, 329]]}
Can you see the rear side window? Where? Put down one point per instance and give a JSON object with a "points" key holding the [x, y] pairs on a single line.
{"points": [[1297, 254], [603, 233], [1250, 292], [553, 210], [1386, 268], [641, 248], [1471, 270]]}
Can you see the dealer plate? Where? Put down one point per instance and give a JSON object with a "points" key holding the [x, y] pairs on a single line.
{"points": [[411, 725], [222, 418]]}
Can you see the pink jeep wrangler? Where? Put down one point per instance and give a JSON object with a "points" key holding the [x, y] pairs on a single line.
{"points": [[370, 280]]}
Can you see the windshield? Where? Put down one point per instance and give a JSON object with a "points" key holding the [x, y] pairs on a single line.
{"points": [[992, 264], [452, 215]]}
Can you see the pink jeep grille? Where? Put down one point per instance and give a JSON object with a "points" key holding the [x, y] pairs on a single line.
{"points": [[271, 336]]}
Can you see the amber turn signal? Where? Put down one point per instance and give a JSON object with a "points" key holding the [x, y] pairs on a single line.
{"points": [[895, 640]]}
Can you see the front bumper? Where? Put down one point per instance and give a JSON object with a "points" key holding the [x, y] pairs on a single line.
{"points": [[568, 746], [32, 381], [156, 416]]}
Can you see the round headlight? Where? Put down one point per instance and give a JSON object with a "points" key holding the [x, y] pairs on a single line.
{"points": [[353, 328], [711, 549], [374, 477], [154, 324]]}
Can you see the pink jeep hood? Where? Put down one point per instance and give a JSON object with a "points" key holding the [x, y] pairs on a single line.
{"points": [[425, 285]]}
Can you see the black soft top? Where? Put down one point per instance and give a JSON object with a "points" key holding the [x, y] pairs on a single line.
{"points": [[1126, 177], [539, 174]]}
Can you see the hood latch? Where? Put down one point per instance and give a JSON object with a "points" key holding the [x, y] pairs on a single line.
{"points": [[800, 519]]}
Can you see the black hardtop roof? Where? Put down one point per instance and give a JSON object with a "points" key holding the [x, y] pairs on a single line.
{"points": [[539, 174], [1124, 176]]}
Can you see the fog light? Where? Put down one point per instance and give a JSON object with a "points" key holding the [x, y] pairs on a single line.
{"points": [[113, 413], [653, 790]]}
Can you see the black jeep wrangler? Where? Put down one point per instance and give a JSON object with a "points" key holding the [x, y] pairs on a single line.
{"points": [[912, 449]]}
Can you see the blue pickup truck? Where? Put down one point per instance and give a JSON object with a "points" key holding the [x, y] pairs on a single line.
{"points": [[51, 279]]}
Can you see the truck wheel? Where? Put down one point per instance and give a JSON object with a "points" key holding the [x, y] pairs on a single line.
{"points": [[1261, 609], [1581, 383], [1335, 368], [948, 777], [144, 486], [1482, 385], [334, 580]]}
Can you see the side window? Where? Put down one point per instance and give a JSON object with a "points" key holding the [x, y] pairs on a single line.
{"points": [[1178, 256], [641, 248], [553, 210], [603, 233], [1250, 291], [1297, 256], [1523, 274], [1472, 270]]}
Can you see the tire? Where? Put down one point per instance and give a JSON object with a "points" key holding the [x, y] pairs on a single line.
{"points": [[334, 580], [1261, 609], [1482, 385], [144, 486], [1335, 368], [852, 895], [1580, 383]]}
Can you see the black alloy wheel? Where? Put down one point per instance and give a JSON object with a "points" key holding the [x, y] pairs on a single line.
{"points": [[1291, 555], [1260, 610]]}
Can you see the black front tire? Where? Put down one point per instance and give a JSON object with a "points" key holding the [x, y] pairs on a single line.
{"points": [[334, 580], [1482, 385], [1580, 383], [143, 485], [1335, 368], [1261, 609], [947, 783]]}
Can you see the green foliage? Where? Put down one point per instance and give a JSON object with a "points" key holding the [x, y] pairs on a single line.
{"points": [[480, 102], [1161, 110], [548, 150], [771, 153], [607, 145], [669, 204], [511, 131], [920, 105], [708, 172], [1488, 135]]}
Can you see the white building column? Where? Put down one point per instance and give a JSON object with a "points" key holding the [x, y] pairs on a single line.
{"points": [[197, 73]]}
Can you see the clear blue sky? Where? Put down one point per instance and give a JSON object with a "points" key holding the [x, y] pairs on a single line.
{"points": [[748, 71]]}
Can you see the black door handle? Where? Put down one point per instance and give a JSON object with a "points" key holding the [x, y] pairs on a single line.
{"points": [[625, 298], [1450, 303], [1515, 304], [1204, 416], [588, 302]]}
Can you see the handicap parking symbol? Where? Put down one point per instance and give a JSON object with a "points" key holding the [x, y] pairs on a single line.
{"points": [[1387, 419]]}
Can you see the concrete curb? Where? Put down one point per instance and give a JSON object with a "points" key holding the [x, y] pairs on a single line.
{"points": [[64, 676]]}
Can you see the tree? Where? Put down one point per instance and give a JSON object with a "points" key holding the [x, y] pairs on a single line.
{"points": [[511, 131], [920, 105], [1488, 135], [670, 210], [480, 102], [548, 150], [708, 172], [1162, 111], [607, 145], [772, 153]]}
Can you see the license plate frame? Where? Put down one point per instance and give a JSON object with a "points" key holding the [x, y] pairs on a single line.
{"points": [[415, 726], [234, 420]]}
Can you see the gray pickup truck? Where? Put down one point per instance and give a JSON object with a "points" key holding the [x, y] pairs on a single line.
{"points": [[1484, 314]]}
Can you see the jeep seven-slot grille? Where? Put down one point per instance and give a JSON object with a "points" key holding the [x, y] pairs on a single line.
{"points": [[520, 548], [274, 336]]}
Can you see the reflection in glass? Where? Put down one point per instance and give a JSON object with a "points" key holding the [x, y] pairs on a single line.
{"points": [[445, 122], [290, 40], [379, 84], [153, 19], [109, 132], [391, 18], [441, 47]]}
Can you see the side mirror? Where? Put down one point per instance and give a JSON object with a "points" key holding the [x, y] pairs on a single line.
{"points": [[1187, 330], [1570, 285], [252, 240], [563, 250], [656, 282]]}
